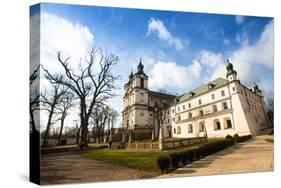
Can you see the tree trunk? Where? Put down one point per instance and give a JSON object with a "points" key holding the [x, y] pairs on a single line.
{"points": [[61, 128], [84, 135], [84, 124], [78, 135], [45, 140]]}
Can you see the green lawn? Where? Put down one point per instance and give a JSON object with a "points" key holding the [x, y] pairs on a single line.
{"points": [[144, 160], [133, 159]]}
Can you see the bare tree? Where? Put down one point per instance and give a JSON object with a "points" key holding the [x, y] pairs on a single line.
{"points": [[65, 104], [100, 116], [50, 100], [90, 86], [160, 110], [34, 97], [112, 119]]}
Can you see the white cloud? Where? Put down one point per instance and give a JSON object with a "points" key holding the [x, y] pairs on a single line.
{"points": [[260, 52], [156, 25], [60, 34], [239, 19], [213, 64], [169, 74], [245, 59]]}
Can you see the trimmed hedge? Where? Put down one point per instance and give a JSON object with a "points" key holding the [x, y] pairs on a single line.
{"points": [[228, 137], [175, 158], [187, 156], [163, 163], [244, 138], [236, 137]]}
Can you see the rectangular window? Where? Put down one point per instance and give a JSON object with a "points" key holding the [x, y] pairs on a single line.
{"points": [[179, 118], [183, 107], [201, 127], [215, 108], [225, 107], [190, 115], [189, 105], [199, 101], [178, 130], [168, 120], [213, 96], [222, 93], [142, 83], [201, 113], [190, 128], [174, 130], [233, 88], [173, 110], [179, 109]]}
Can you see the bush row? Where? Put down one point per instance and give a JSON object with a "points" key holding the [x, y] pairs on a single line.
{"points": [[174, 159], [238, 138]]}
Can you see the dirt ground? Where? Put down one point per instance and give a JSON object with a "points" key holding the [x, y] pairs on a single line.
{"points": [[73, 168]]}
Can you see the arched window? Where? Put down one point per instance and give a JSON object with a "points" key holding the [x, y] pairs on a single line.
{"points": [[217, 124], [227, 123], [190, 128]]}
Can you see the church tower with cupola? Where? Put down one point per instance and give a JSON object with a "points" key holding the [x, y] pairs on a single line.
{"points": [[231, 74], [135, 112]]}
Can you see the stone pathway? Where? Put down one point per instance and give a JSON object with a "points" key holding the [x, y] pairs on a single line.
{"points": [[255, 155], [73, 168]]}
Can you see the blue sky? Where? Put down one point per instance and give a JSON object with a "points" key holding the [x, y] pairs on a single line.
{"points": [[180, 50]]}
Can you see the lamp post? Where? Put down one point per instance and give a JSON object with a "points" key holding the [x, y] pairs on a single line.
{"points": [[160, 136]]}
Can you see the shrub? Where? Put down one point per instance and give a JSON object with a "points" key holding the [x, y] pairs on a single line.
{"points": [[244, 138], [190, 155], [228, 137], [197, 153], [163, 163], [175, 159], [185, 156], [236, 137]]}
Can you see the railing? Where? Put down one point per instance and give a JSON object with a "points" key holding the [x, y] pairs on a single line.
{"points": [[166, 144], [176, 143], [143, 145]]}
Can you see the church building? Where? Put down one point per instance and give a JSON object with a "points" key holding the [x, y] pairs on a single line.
{"points": [[221, 107]]}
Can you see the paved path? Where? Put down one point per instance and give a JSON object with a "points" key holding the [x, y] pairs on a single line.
{"points": [[73, 168], [250, 156]]}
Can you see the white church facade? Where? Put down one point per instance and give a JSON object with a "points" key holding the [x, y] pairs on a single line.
{"points": [[218, 108]]}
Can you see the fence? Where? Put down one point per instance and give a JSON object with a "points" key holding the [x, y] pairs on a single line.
{"points": [[166, 144], [176, 143]]}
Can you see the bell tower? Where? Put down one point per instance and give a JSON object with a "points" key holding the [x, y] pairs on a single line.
{"points": [[140, 78], [140, 95], [135, 111], [231, 74]]}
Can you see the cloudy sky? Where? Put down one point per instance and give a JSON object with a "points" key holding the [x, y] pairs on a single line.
{"points": [[179, 50]]}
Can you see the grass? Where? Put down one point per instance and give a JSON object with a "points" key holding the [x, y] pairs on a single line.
{"points": [[144, 160], [134, 159]]}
